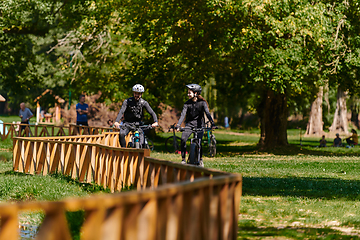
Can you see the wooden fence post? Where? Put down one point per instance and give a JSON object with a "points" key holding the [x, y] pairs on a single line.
{"points": [[9, 225]]}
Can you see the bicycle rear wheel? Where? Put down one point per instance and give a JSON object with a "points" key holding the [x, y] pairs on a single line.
{"points": [[212, 148], [172, 145]]}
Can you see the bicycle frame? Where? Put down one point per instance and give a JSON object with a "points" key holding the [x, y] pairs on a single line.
{"points": [[208, 130], [173, 143], [208, 133], [135, 130]]}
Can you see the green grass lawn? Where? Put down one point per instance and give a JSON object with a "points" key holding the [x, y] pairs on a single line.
{"points": [[14, 118], [296, 192], [16, 187]]}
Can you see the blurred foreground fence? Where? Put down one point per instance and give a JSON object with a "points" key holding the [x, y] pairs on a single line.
{"points": [[46, 130], [172, 201]]}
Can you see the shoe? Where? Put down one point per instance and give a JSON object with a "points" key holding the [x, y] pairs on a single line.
{"points": [[183, 162], [201, 163]]}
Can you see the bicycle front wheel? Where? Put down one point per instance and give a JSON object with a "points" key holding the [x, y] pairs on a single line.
{"points": [[150, 144], [172, 144], [193, 154]]}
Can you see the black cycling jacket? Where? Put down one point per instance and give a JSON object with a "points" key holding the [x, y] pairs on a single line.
{"points": [[194, 112], [133, 110]]}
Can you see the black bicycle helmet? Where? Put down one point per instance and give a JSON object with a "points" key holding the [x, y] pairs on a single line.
{"points": [[195, 88]]}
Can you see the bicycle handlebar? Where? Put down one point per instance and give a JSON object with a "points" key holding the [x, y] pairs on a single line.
{"points": [[135, 126], [172, 127], [197, 129]]}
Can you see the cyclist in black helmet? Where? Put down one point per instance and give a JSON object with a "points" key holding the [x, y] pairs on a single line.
{"points": [[132, 111], [194, 110]]}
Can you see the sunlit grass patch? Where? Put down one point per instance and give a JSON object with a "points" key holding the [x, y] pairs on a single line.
{"points": [[290, 194], [294, 192]]}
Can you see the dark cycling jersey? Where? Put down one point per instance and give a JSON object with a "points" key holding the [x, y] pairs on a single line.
{"points": [[194, 112], [133, 110]]}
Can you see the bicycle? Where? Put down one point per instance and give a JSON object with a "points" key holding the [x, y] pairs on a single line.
{"points": [[209, 142], [195, 145], [173, 143], [149, 144], [134, 142]]}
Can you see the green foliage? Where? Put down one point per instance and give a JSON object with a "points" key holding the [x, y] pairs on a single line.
{"points": [[32, 31], [249, 47], [238, 50], [281, 45]]}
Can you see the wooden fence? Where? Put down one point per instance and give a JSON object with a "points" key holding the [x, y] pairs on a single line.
{"points": [[175, 202], [46, 130]]}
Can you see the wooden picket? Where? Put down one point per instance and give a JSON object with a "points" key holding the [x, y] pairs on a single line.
{"points": [[173, 201]]}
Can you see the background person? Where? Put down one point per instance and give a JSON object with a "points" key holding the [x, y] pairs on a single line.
{"points": [[82, 109], [25, 114], [353, 139], [337, 141], [226, 121], [194, 110], [323, 141], [132, 111], [110, 122]]}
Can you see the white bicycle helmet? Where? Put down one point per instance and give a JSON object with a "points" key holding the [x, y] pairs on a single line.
{"points": [[138, 88]]}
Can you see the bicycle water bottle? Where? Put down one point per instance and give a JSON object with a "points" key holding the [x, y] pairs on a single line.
{"points": [[137, 136]]}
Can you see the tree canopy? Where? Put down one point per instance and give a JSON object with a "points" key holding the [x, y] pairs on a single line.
{"points": [[279, 49], [264, 56]]}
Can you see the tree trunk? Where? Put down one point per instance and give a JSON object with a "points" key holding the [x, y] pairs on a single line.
{"points": [[315, 124], [340, 123], [355, 118], [273, 115], [355, 111], [326, 97]]}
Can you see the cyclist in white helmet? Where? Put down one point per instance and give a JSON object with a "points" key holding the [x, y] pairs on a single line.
{"points": [[132, 111]]}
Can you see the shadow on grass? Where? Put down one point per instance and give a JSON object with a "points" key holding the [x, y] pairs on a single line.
{"points": [[292, 149], [11, 172], [321, 188], [289, 150], [232, 147], [250, 232]]}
